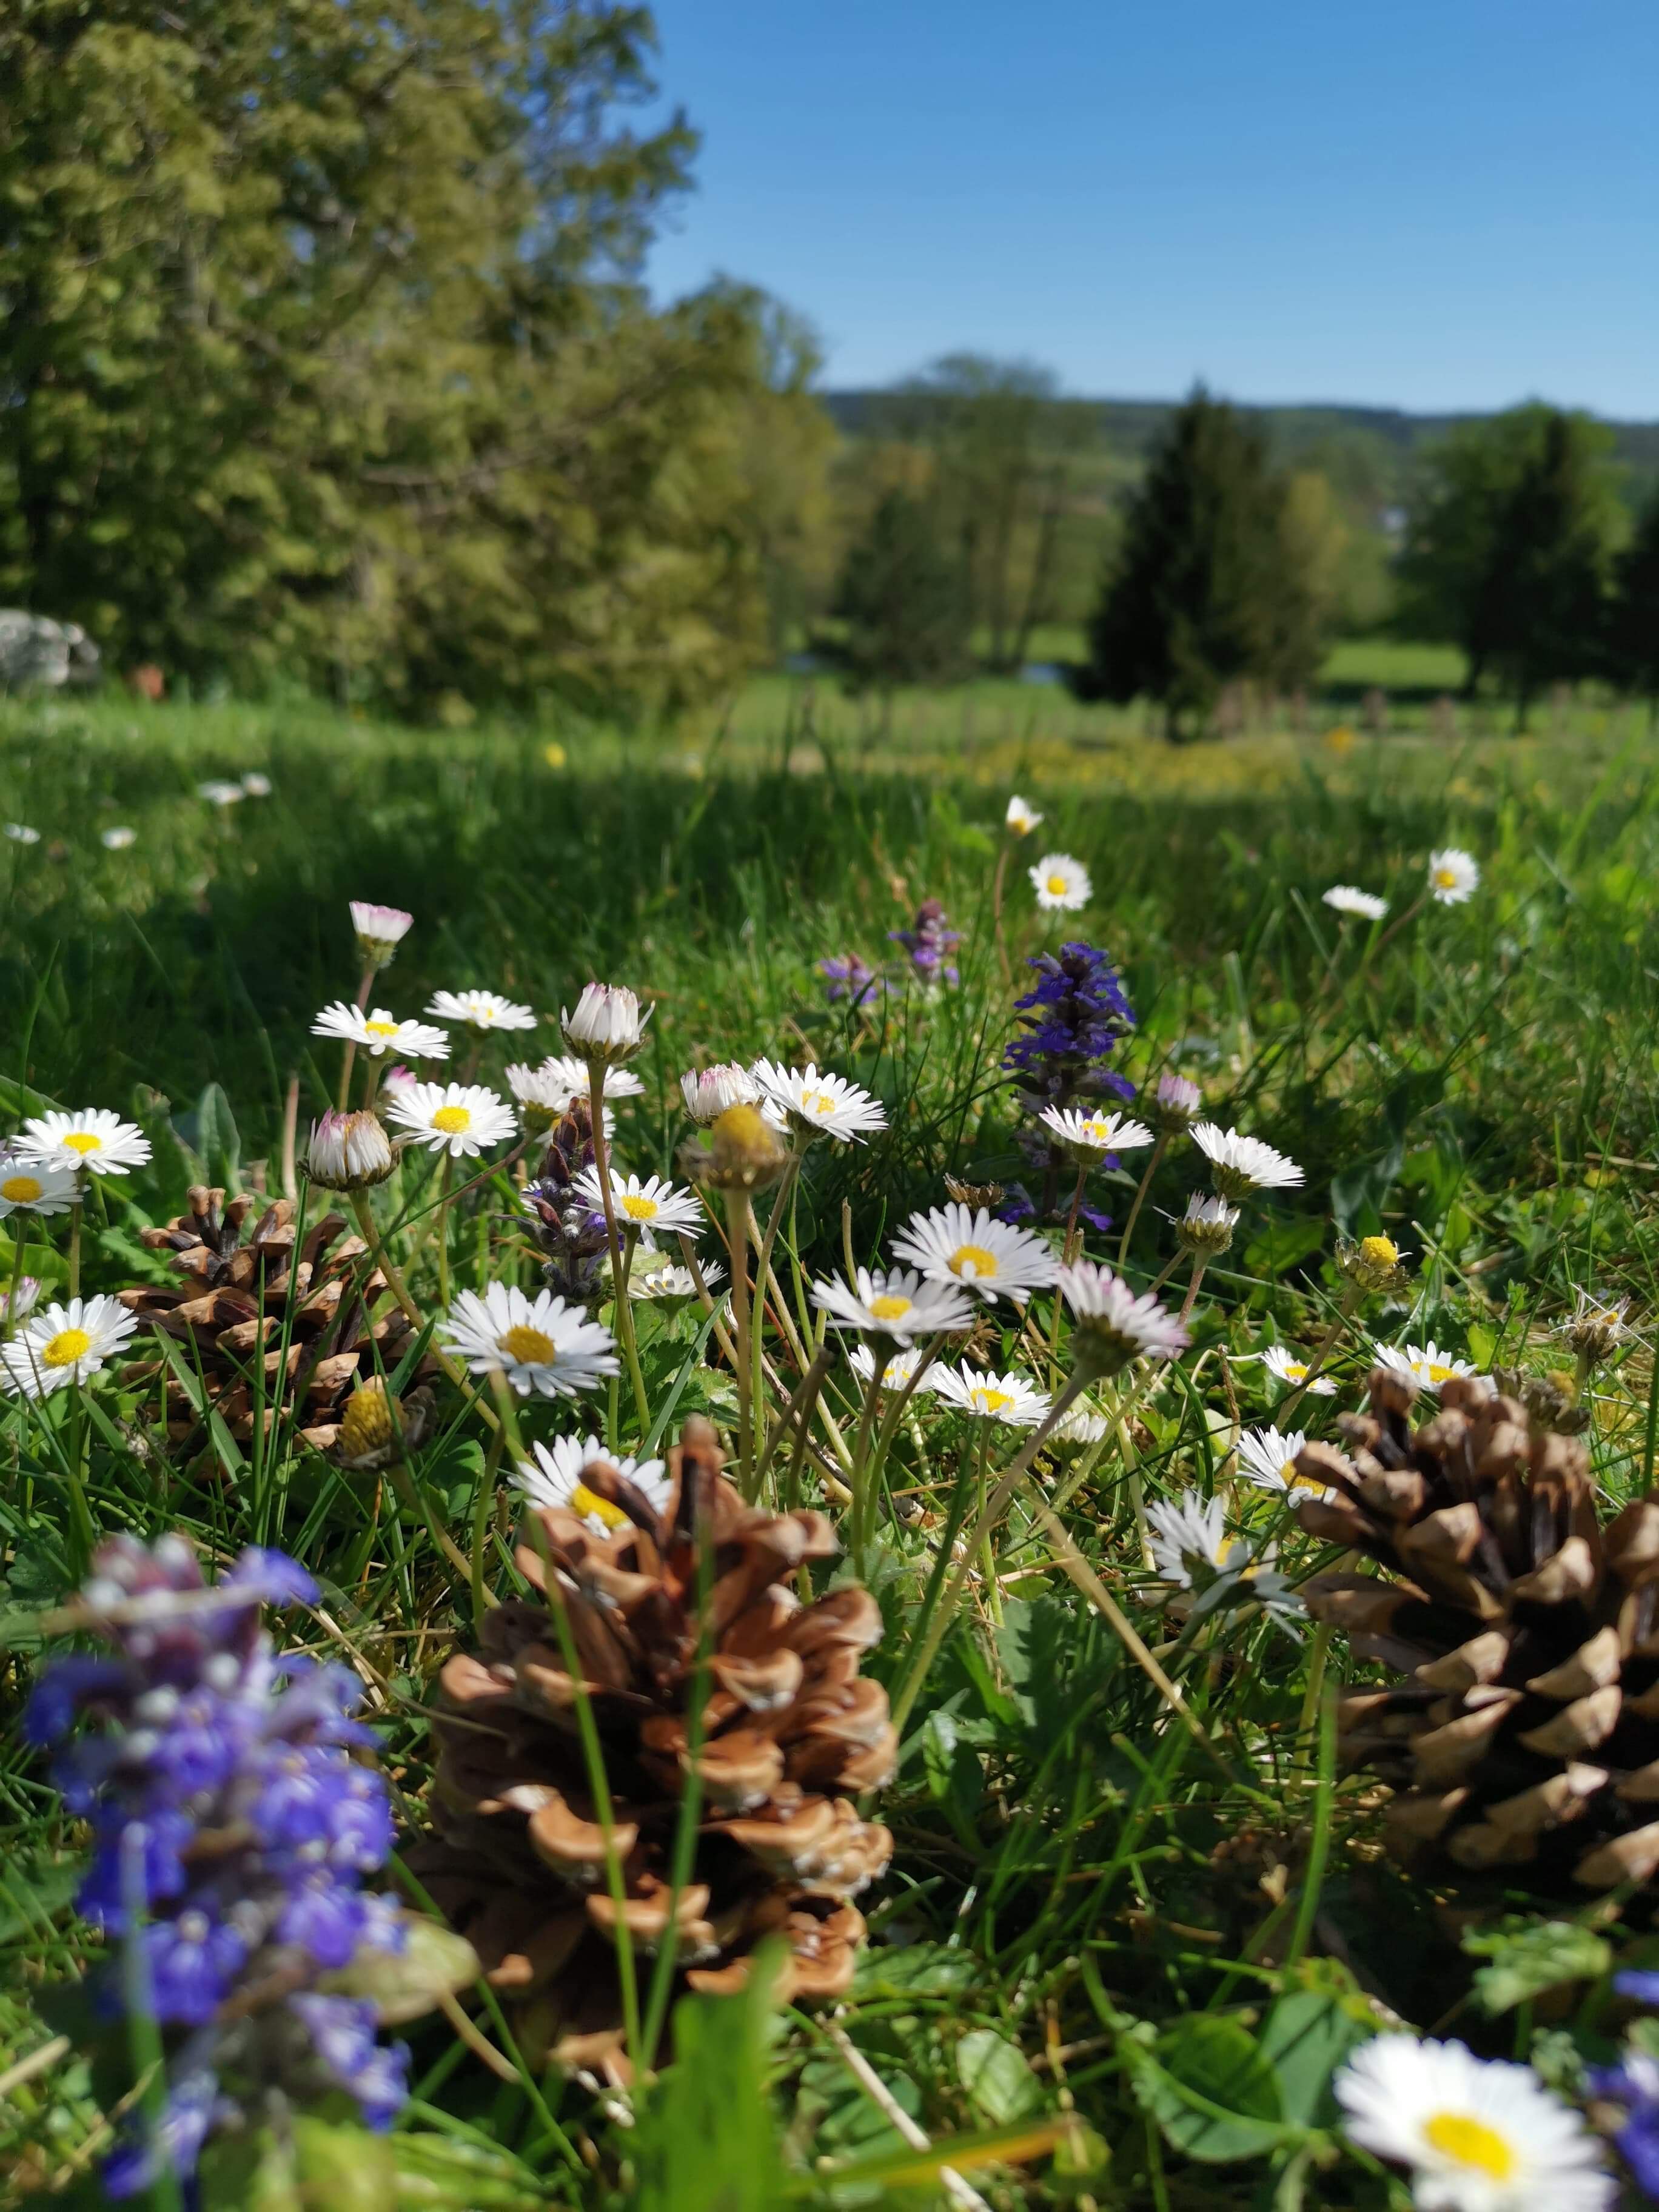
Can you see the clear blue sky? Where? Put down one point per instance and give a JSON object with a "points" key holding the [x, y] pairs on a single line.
{"points": [[1453, 205]]}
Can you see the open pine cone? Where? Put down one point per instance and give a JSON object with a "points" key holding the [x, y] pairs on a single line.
{"points": [[518, 1862], [238, 1277], [1526, 1739]]}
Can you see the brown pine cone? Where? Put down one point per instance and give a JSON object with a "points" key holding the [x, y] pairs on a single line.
{"points": [[1526, 1738], [239, 1277], [518, 1862]]}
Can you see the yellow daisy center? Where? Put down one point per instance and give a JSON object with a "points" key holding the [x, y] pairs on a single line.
{"points": [[993, 1401], [1446, 878], [529, 1346], [1096, 1132], [1057, 883], [366, 1423], [20, 1189], [450, 1120], [65, 1348], [889, 1308], [972, 1262], [638, 1208], [1438, 1373], [1469, 2141], [381, 1028], [82, 1141], [1296, 1370], [1379, 1251], [818, 1101], [585, 1501]]}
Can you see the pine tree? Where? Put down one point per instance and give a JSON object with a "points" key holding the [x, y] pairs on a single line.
{"points": [[904, 600], [1633, 623]]}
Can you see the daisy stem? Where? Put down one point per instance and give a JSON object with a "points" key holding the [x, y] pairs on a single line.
{"points": [[1318, 1650], [74, 1246], [739, 1219], [1395, 928], [1164, 1274], [987, 1558], [1195, 1279], [901, 1404], [1322, 1352], [863, 1509], [75, 1470], [444, 1178], [763, 1270], [624, 1308], [1069, 1251], [1145, 1184], [413, 1314]]}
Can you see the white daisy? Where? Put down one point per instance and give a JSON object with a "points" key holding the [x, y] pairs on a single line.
{"points": [[896, 1371], [1347, 900], [220, 793], [1425, 1365], [98, 1140], [255, 785], [607, 1023], [1192, 1530], [348, 1151], [1086, 1136], [813, 1104], [1175, 1101], [397, 1077], [1454, 876], [380, 1032], [1060, 883], [655, 1276], [1021, 818], [481, 1010], [379, 929], [895, 1304], [653, 1207], [1240, 1164], [1267, 1458], [563, 1071], [64, 1344], [29, 1185], [1011, 1399], [1597, 1329], [991, 1258], [461, 1119], [20, 834], [1208, 1223], [1078, 1427], [117, 840], [555, 1478], [1479, 2135], [540, 1344], [1283, 1366], [1112, 1324], [18, 1302], [707, 1091]]}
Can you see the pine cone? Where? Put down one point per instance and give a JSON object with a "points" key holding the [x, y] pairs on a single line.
{"points": [[519, 1864], [235, 1294], [1527, 1737]]}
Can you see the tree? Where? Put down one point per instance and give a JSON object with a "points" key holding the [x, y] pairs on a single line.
{"points": [[1210, 585], [904, 600], [1633, 619]]}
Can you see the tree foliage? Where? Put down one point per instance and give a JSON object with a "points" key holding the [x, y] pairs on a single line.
{"points": [[1633, 624], [904, 600]]}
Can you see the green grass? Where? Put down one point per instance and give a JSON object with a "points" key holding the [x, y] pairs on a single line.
{"points": [[1075, 1877]]}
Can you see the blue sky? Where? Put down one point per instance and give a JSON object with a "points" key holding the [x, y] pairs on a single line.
{"points": [[1453, 205]]}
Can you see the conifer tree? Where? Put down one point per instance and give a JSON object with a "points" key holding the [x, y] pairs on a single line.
{"points": [[904, 600]]}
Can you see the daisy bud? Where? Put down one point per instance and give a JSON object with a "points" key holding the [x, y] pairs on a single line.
{"points": [[1375, 1263], [1207, 1228], [742, 1151], [348, 1152], [607, 1024], [1175, 1103], [377, 1427], [707, 1091], [989, 1195], [1598, 1329], [380, 929]]}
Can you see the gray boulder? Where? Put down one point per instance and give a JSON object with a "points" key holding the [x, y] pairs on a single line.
{"points": [[35, 650]]}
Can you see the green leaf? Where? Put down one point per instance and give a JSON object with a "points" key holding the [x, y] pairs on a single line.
{"points": [[1529, 1957], [1280, 1244], [344, 2168], [439, 2173], [706, 2141], [918, 1970], [1304, 2039], [1210, 2089], [403, 1985], [994, 2073]]}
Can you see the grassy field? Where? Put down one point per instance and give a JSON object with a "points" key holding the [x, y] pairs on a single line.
{"points": [[1136, 1914]]}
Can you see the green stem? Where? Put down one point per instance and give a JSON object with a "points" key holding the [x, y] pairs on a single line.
{"points": [[11, 1316], [75, 1245], [1145, 1184], [442, 1229], [863, 1505], [412, 1312], [1197, 1277], [622, 1306], [481, 1511], [739, 1219]]}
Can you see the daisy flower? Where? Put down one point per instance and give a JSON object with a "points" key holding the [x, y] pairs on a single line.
{"points": [[1060, 883], [1240, 1164], [220, 793], [34, 1185], [655, 1207], [18, 1304], [1478, 2135], [1112, 1324], [349, 1152], [379, 929], [897, 1371], [20, 834], [1207, 1225], [1087, 1136], [991, 1258], [554, 1477], [1011, 1399], [461, 1119], [1174, 1102], [1078, 1427], [380, 1032], [540, 1344], [1347, 900], [707, 1091], [481, 1010], [1284, 1366], [655, 1275], [98, 1140], [812, 1104], [64, 1344], [256, 786], [1267, 1458], [896, 1304], [1597, 1329], [117, 840], [1187, 1529], [606, 1025], [561, 1076], [1021, 818], [1454, 876], [1425, 1365]]}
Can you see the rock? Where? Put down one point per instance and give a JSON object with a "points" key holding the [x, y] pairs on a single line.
{"points": [[35, 650]]}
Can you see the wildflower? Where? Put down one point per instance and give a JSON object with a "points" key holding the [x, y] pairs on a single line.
{"points": [[117, 840], [607, 1026], [1011, 1399], [1094, 1137], [1072, 1020], [29, 1185], [1078, 1427], [461, 1119], [1425, 1365], [1062, 883], [376, 1427], [654, 1207], [896, 1304], [225, 1808], [379, 929], [1020, 818], [1478, 2135], [481, 1010], [1283, 1366], [655, 1276], [541, 1093], [1375, 1264], [1347, 900], [1206, 1227], [974, 1195], [1597, 1329], [64, 1344], [380, 1032], [1239, 1164], [1112, 1324], [1267, 1457], [707, 1091], [539, 1344], [846, 976], [1454, 876], [988, 1257], [742, 1151], [928, 942], [569, 1225], [1634, 2084], [1174, 1102], [97, 1141], [218, 792], [18, 1301], [348, 1152], [555, 1478], [812, 1104], [398, 1078], [897, 1370], [20, 834], [1192, 1549], [256, 786]]}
